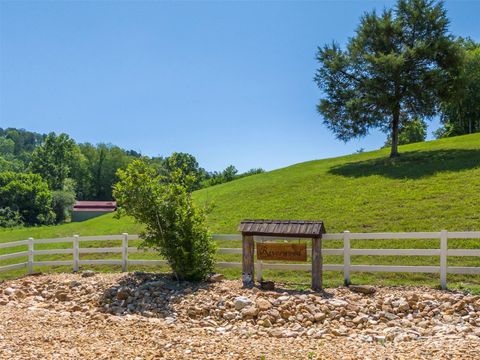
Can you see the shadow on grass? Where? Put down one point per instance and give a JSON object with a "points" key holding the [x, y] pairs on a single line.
{"points": [[412, 165]]}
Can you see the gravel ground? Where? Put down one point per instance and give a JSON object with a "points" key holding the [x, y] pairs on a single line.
{"points": [[143, 316]]}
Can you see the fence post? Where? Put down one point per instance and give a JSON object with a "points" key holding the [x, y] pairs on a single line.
{"points": [[346, 257], [30, 255], [443, 258], [124, 252], [76, 253]]}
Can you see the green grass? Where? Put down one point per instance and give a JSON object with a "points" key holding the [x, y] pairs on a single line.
{"points": [[432, 186], [103, 225]]}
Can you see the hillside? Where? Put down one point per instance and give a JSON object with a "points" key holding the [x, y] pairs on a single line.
{"points": [[433, 185]]}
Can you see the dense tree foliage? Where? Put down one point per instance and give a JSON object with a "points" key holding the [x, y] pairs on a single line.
{"points": [[55, 159], [10, 164], [174, 226], [24, 141], [399, 66], [25, 197], [99, 175], [63, 200], [188, 166], [410, 132], [461, 114], [228, 174], [87, 172], [10, 218]]}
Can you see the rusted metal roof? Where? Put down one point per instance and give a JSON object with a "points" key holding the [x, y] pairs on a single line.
{"points": [[106, 206], [284, 228]]}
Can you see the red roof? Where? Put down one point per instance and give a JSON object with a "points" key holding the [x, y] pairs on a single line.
{"points": [[106, 206]]}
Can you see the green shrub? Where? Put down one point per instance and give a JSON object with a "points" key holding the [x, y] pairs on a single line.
{"points": [[10, 218], [63, 200], [174, 226], [27, 194]]}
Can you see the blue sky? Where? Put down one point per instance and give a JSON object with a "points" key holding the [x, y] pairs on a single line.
{"points": [[230, 82]]}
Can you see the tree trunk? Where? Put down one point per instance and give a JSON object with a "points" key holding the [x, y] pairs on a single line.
{"points": [[395, 123]]}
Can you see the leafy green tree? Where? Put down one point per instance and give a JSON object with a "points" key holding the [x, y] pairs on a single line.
{"points": [[398, 66], [25, 141], [410, 132], [229, 173], [10, 218], [253, 171], [63, 201], [188, 166], [11, 164], [28, 195], [103, 161], [461, 115], [174, 226], [16, 146], [7, 146], [54, 159]]}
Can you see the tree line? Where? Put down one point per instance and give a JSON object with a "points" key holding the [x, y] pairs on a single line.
{"points": [[41, 175], [401, 68]]}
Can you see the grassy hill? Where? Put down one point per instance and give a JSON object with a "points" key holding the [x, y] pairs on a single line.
{"points": [[432, 186], [103, 225]]}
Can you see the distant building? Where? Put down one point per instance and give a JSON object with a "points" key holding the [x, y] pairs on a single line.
{"points": [[84, 210]]}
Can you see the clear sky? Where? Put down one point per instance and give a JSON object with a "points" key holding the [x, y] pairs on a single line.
{"points": [[230, 82]]}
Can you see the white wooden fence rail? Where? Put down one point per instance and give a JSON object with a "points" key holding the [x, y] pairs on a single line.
{"points": [[443, 252]]}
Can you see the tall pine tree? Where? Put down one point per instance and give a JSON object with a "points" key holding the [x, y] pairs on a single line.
{"points": [[398, 67]]}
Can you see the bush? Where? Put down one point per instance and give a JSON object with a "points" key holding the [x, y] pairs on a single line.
{"points": [[10, 218], [63, 200], [411, 132], [174, 226], [27, 194]]}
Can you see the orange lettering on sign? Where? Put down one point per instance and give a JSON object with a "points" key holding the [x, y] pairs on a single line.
{"points": [[276, 251]]}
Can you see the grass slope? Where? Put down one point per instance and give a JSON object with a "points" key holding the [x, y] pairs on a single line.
{"points": [[103, 225], [432, 186]]}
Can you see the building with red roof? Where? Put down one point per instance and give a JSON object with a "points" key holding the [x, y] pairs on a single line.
{"points": [[84, 210]]}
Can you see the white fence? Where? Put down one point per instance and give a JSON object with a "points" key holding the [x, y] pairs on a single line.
{"points": [[443, 252]]}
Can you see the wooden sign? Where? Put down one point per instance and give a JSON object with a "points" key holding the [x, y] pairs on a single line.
{"points": [[279, 251]]}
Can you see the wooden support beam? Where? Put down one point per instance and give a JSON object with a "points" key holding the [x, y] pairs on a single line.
{"points": [[317, 264], [248, 269]]}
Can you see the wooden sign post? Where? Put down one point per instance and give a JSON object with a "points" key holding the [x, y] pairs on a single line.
{"points": [[281, 251], [317, 263], [248, 265]]}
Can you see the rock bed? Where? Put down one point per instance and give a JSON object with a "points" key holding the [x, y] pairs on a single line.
{"points": [[147, 316]]}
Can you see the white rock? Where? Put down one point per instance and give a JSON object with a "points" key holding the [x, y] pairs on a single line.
{"points": [[289, 334], [241, 302], [337, 302], [8, 291], [169, 320]]}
